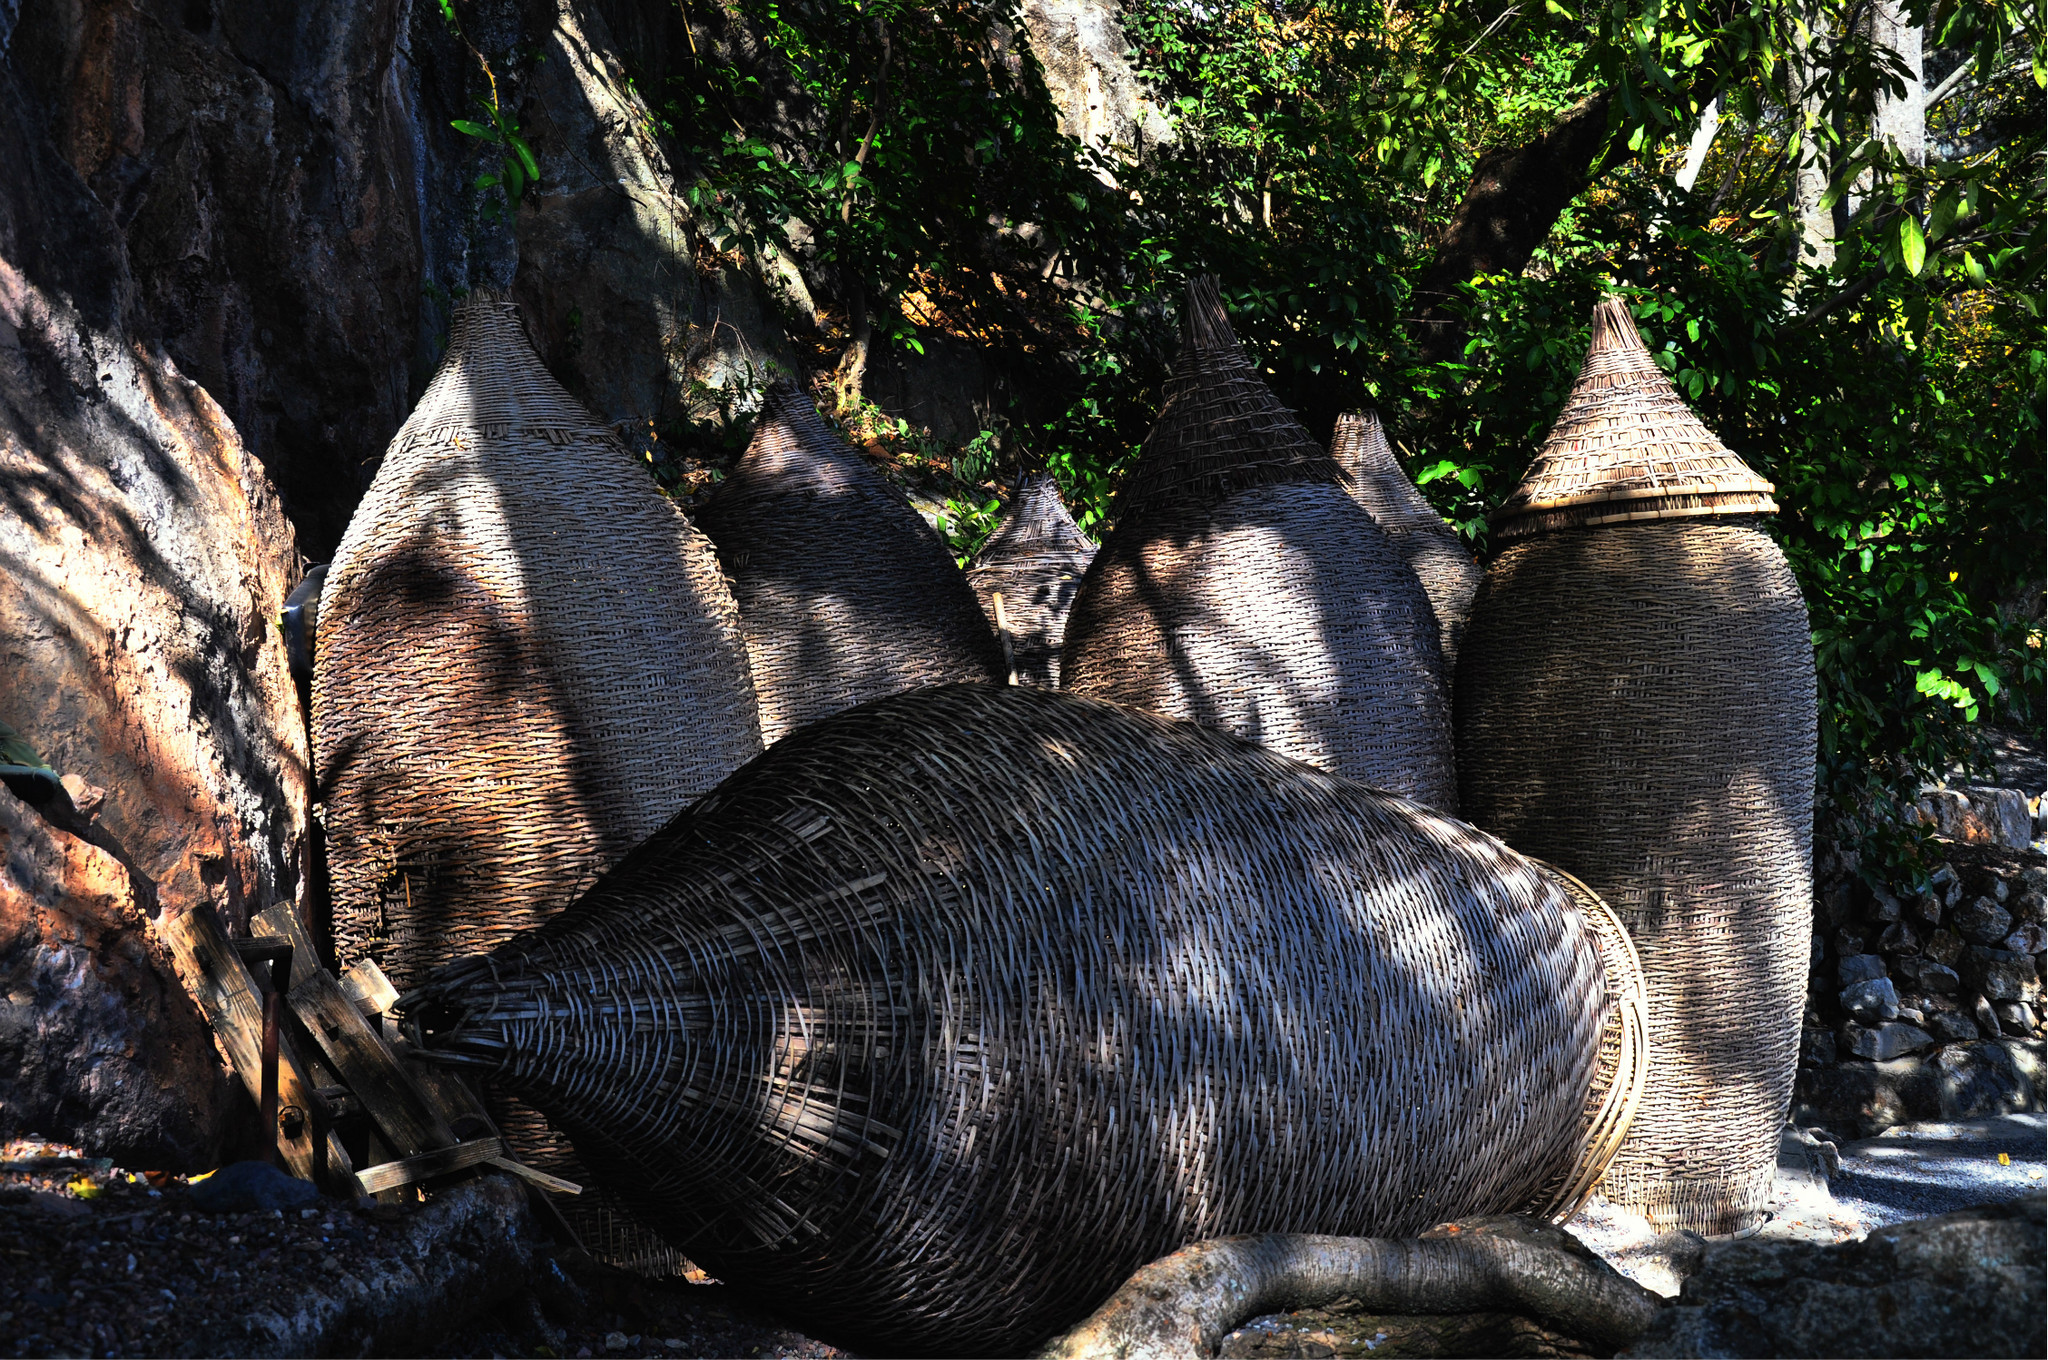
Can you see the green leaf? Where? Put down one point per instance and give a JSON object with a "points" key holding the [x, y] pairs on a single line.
{"points": [[525, 154], [1912, 245], [470, 129]]}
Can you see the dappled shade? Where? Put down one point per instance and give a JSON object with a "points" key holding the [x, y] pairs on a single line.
{"points": [[1636, 704], [1431, 547], [846, 592], [946, 1014], [1242, 588], [1034, 561], [526, 662]]}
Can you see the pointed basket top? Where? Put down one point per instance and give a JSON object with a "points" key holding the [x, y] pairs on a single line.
{"points": [[1221, 429], [1377, 478], [1627, 447], [491, 381], [795, 449], [1037, 530]]}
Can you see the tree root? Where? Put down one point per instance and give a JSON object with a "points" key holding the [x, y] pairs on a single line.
{"points": [[1181, 1306]]}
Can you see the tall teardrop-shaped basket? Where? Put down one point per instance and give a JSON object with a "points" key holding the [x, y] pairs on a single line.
{"points": [[952, 1010], [1439, 557], [526, 661], [1242, 588], [847, 594], [1636, 705], [1026, 575]]}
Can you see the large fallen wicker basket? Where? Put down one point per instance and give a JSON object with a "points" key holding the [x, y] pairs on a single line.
{"points": [[1431, 547], [1636, 704], [1026, 575], [1242, 588], [526, 661], [847, 594], [946, 1014]]}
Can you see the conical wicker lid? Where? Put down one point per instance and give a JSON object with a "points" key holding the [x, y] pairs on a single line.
{"points": [[1377, 479], [1627, 447], [1038, 530], [1221, 429], [491, 381]]}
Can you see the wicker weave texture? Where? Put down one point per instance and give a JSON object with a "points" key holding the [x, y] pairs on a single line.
{"points": [[1432, 548], [949, 1012], [1244, 589], [1034, 561], [846, 592], [1636, 705], [1626, 447], [526, 662]]}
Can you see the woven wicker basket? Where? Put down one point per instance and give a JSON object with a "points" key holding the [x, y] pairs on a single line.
{"points": [[526, 661], [949, 1012], [1636, 704], [1431, 547], [847, 593], [1243, 589], [1034, 562]]}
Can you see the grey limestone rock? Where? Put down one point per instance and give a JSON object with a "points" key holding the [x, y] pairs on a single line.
{"points": [[2000, 974], [1884, 1042], [1981, 921], [1929, 976], [1871, 1001], [1855, 968]]}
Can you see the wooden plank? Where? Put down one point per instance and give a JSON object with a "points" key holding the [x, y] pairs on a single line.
{"points": [[441, 1162], [229, 999], [532, 1177], [367, 986], [369, 1069], [445, 1089], [282, 922]]}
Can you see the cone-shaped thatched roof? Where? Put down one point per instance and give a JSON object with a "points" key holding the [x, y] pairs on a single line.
{"points": [[1037, 529], [1627, 447], [1034, 561], [1221, 429], [1378, 482]]}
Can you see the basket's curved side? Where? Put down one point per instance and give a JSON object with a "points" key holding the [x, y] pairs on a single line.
{"points": [[1432, 548], [1617, 1087], [846, 592]]}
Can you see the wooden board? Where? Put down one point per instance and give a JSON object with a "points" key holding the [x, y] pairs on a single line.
{"points": [[282, 922], [229, 998], [367, 986], [532, 1177], [441, 1162], [407, 1119]]}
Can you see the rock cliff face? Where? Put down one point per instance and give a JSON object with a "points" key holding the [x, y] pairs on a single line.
{"points": [[1085, 53]]}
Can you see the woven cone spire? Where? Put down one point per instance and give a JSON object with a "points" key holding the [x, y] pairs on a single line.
{"points": [[1034, 561], [1243, 588], [1636, 705], [846, 592], [1432, 547], [526, 662], [1627, 447]]}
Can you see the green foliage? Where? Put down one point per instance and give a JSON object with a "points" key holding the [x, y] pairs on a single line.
{"points": [[966, 525], [904, 156], [517, 168]]}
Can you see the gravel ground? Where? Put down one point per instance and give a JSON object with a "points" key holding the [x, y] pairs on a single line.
{"points": [[1919, 1170]]}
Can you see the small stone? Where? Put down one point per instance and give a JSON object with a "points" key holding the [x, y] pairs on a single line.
{"points": [[1987, 1019], [1982, 921], [2031, 938], [673, 1343], [1927, 906], [2000, 890], [1929, 976], [1952, 1026], [615, 1341], [1847, 942], [1941, 878], [1884, 906], [1857, 968], [1816, 1047], [1872, 1000], [1834, 902], [1944, 946], [1885, 1042], [1999, 974], [1898, 938], [2014, 1017]]}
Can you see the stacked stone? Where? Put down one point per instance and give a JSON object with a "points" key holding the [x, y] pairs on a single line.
{"points": [[1926, 1005]]}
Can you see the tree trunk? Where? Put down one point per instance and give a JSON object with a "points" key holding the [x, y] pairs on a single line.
{"points": [[1514, 200], [1183, 1305], [1702, 141], [1810, 167], [1901, 119]]}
